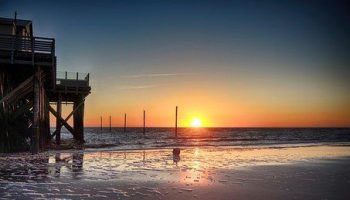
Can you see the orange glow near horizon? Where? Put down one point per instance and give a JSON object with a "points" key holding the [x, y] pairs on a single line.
{"points": [[211, 107], [214, 116]]}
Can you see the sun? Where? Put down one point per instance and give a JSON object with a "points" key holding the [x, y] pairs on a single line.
{"points": [[196, 122]]}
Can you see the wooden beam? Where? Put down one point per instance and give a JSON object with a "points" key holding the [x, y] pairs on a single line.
{"points": [[53, 134], [21, 90], [67, 118], [64, 123], [23, 109], [75, 109]]}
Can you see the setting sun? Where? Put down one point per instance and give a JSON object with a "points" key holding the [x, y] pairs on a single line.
{"points": [[196, 122]]}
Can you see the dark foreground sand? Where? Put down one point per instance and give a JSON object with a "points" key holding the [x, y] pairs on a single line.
{"points": [[318, 172]]}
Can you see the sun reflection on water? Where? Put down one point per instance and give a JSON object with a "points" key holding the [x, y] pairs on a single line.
{"points": [[191, 166]]}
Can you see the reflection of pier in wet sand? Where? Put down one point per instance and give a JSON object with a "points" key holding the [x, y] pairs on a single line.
{"points": [[145, 173]]}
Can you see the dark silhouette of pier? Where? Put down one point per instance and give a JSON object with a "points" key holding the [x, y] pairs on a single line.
{"points": [[30, 84]]}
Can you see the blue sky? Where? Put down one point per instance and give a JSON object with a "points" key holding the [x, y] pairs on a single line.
{"points": [[279, 53]]}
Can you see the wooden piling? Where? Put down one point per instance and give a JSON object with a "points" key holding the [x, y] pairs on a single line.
{"points": [[125, 123], [78, 119], [110, 123], [101, 123], [58, 122], [46, 120], [144, 122], [36, 113], [82, 139], [176, 122]]}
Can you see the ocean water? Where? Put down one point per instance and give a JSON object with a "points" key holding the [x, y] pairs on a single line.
{"points": [[133, 138]]}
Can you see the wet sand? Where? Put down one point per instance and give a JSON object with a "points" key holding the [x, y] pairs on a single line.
{"points": [[315, 172]]}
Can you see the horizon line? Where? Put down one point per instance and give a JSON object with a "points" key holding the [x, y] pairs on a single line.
{"points": [[267, 127]]}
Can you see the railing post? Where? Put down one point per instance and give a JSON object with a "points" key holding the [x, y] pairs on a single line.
{"points": [[13, 49], [53, 54], [32, 48], [77, 75], [65, 75], [53, 47]]}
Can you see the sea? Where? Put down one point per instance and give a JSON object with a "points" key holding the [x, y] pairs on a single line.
{"points": [[154, 138]]}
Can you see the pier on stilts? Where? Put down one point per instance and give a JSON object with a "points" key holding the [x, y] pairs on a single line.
{"points": [[71, 88], [30, 85]]}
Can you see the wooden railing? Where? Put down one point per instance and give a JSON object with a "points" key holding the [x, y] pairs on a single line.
{"points": [[27, 44], [74, 79], [24, 49]]}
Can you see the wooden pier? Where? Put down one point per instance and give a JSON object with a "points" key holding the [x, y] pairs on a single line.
{"points": [[30, 84]]}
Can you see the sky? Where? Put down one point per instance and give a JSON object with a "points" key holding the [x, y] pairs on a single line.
{"points": [[228, 63]]}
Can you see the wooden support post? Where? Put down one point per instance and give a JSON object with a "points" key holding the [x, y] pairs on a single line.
{"points": [[58, 122], [176, 122], [36, 113], [110, 123], [78, 120], [101, 123], [144, 122], [43, 131], [125, 123], [82, 107], [64, 121], [47, 120]]}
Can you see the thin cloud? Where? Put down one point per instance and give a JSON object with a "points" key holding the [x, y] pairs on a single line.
{"points": [[149, 75], [137, 87]]}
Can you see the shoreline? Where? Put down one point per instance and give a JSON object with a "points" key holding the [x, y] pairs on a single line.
{"points": [[114, 148]]}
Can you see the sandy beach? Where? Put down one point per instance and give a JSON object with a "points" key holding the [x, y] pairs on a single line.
{"points": [[175, 100], [306, 172]]}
